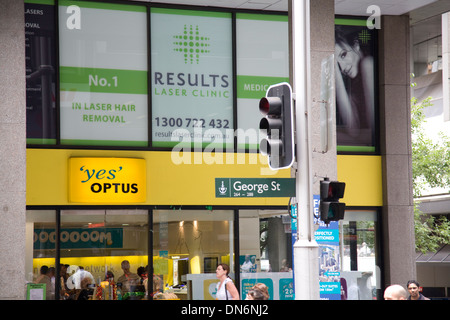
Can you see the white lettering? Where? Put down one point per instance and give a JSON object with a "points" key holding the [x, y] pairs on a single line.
{"points": [[373, 22], [73, 21]]}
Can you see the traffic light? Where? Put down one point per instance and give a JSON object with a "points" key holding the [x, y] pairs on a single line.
{"points": [[278, 122], [330, 208]]}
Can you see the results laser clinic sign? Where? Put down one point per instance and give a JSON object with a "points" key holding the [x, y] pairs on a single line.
{"points": [[192, 77], [107, 180]]}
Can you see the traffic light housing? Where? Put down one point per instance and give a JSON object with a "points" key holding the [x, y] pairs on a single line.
{"points": [[278, 123], [330, 208]]}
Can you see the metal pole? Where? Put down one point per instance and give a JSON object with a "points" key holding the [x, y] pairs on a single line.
{"points": [[306, 250]]}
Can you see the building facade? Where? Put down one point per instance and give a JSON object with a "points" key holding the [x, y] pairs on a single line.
{"points": [[133, 136]]}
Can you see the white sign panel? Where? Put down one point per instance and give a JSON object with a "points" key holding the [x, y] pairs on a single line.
{"points": [[103, 74], [262, 50], [192, 78]]}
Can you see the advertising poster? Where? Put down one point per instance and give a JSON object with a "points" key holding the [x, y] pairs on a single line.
{"points": [[36, 291], [355, 53], [103, 74], [262, 58], [192, 78], [248, 263], [40, 72], [327, 237], [247, 285]]}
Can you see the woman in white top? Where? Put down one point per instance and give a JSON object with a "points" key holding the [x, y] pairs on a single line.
{"points": [[226, 290]]}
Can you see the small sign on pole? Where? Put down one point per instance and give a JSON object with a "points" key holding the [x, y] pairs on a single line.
{"points": [[254, 187]]}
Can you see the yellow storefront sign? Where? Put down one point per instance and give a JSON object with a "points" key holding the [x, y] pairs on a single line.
{"points": [[107, 180]]}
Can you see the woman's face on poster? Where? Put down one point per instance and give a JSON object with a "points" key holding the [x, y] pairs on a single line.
{"points": [[348, 58]]}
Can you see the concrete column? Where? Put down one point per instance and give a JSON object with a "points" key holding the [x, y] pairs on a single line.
{"points": [[395, 140], [446, 64], [12, 150], [322, 48]]}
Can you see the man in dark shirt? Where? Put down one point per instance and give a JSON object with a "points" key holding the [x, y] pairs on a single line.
{"points": [[413, 288]]}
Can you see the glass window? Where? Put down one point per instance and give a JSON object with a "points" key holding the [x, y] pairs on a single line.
{"points": [[265, 258], [103, 74], [40, 254], [262, 59], [188, 245], [192, 79], [40, 39], [104, 254], [360, 275]]}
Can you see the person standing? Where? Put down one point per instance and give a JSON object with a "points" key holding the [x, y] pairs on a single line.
{"points": [[226, 290], [45, 279], [128, 278], [413, 288]]}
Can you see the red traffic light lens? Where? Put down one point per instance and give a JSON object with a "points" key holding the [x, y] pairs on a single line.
{"points": [[270, 106], [336, 189], [264, 106]]}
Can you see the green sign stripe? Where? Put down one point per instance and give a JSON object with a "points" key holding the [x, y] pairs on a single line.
{"points": [[192, 145], [103, 80], [255, 87], [350, 22], [80, 142], [48, 2], [262, 17], [41, 141], [105, 6], [196, 13], [248, 146], [355, 148]]}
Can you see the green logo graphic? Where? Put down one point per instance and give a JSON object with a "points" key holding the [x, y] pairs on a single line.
{"points": [[191, 44], [364, 36]]}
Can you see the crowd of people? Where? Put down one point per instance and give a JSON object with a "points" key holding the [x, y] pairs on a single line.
{"points": [[76, 285]]}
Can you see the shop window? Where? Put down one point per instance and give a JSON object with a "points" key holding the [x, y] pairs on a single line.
{"points": [[188, 245], [360, 275], [265, 244], [262, 59], [40, 40], [102, 69], [104, 254], [355, 86], [192, 79], [103, 74], [40, 254]]}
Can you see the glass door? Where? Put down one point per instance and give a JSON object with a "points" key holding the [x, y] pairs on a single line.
{"points": [[360, 276], [188, 245]]}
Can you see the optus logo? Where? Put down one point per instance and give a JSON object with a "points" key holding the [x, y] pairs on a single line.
{"points": [[191, 44], [107, 180], [107, 186]]}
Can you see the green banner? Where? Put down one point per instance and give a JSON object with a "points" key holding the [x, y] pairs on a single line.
{"points": [[254, 187], [255, 87], [99, 5], [103, 80]]}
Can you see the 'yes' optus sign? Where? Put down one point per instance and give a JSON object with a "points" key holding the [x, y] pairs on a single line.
{"points": [[107, 180]]}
